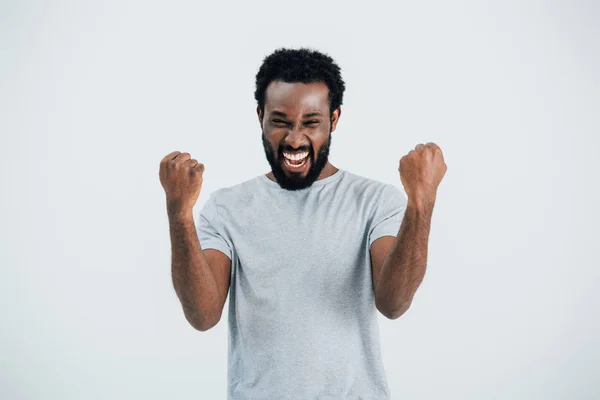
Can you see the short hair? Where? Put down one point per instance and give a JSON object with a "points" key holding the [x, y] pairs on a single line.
{"points": [[300, 65]]}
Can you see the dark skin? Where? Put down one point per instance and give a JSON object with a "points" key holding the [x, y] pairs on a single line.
{"points": [[296, 117], [399, 262]]}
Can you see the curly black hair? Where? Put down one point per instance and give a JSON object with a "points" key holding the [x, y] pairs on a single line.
{"points": [[300, 65]]}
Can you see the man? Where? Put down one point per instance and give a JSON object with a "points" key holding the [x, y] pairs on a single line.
{"points": [[310, 251]]}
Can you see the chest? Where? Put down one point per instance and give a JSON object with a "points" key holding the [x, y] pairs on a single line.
{"points": [[301, 247]]}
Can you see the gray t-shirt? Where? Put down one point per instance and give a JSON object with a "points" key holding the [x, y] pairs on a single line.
{"points": [[302, 318]]}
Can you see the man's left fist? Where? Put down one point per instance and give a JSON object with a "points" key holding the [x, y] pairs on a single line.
{"points": [[421, 172]]}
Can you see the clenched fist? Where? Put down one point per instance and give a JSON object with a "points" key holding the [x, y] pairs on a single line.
{"points": [[181, 177], [421, 172]]}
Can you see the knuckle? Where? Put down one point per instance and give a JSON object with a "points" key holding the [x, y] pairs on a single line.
{"points": [[169, 156]]}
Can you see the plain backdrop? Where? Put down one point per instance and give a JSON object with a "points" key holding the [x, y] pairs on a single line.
{"points": [[94, 94]]}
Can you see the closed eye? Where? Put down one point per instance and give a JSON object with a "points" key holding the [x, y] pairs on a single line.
{"points": [[278, 121]]}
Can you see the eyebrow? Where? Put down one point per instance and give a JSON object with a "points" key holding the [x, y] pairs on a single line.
{"points": [[282, 114]]}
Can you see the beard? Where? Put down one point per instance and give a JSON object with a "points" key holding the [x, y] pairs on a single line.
{"points": [[297, 181]]}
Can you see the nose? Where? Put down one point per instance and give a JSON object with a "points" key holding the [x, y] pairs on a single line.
{"points": [[296, 138]]}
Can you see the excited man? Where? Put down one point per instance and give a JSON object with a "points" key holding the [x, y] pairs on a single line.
{"points": [[310, 251]]}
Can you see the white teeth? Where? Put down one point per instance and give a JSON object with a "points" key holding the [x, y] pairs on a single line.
{"points": [[295, 156]]}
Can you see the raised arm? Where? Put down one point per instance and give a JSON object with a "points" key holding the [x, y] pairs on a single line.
{"points": [[200, 278], [399, 263]]}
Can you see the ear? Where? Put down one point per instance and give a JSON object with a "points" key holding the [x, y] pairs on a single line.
{"points": [[335, 117], [260, 115]]}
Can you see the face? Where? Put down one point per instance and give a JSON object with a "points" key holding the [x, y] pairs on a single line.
{"points": [[296, 132]]}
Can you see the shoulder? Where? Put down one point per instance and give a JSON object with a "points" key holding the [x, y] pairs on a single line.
{"points": [[240, 194], [372, 189]]}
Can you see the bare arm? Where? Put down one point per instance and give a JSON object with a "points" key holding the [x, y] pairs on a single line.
{"points": [[404, 266], [200, 278], [201, 290]]}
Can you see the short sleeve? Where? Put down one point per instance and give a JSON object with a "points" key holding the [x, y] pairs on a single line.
{"points": [[210, 228], [389, 212]]}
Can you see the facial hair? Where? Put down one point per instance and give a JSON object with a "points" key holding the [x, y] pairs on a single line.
{"points": [[296, 182]]}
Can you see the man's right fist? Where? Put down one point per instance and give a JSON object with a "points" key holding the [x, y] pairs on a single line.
{"points": [[181, 177]]}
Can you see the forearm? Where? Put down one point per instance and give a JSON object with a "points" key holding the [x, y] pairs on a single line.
{"points": [[192, 277], [404, 267]]}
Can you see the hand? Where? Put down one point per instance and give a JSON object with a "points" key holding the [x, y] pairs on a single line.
{"points": [[181, 177], [421, 171]]}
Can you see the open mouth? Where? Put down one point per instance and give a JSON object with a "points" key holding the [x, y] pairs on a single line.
{"points": [[295, 162]]}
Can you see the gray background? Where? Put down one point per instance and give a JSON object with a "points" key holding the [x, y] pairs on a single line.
{"points": [[94, 94]]}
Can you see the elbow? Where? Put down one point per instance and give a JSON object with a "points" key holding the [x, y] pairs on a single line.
{"points": [[398, 313], [394, 312], [201, 323], [205, 327]]}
